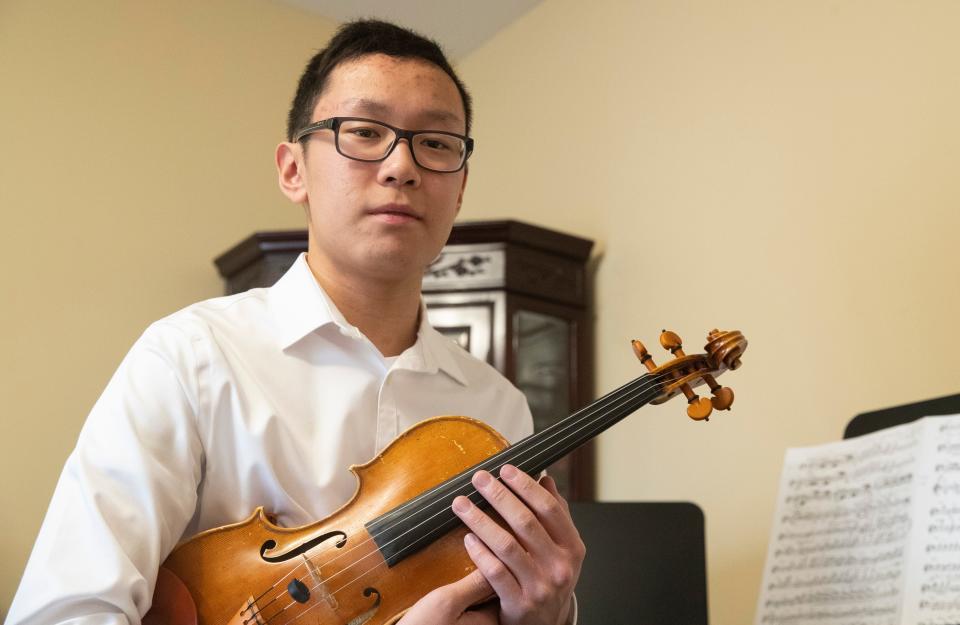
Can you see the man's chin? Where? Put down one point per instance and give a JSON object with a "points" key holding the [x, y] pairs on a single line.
{"points": [[397, 265]]}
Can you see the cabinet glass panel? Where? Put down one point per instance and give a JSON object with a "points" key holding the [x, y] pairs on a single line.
{"points": [[543, 375]]}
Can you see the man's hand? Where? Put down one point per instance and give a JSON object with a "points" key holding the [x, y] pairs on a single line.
{"points": [[535, 569], [448, 604]]}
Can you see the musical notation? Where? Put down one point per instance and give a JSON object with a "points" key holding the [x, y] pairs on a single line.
{"points": [[947, 487], [943, 548], [823, 563], [846, 577], [879, 614], [949, 449], [935, 580], [867, 531]]}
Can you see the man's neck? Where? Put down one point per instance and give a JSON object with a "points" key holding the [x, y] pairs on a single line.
{"points": [[386, 312]]}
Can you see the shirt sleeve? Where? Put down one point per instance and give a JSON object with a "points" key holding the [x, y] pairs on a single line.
{"points": [[125, 495], [520, 419]]}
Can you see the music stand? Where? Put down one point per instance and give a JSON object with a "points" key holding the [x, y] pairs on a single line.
{"points": [[874, 420], [645, 565]]}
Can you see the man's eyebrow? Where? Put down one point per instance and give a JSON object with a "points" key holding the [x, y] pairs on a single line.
{"points": [[373, 107], [366, 105]]}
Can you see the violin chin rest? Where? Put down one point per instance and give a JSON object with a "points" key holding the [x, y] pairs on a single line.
{"points": [[172, 603]]}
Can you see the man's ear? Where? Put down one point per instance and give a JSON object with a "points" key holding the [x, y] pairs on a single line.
{"points": [[463, 186], [289, 159]]}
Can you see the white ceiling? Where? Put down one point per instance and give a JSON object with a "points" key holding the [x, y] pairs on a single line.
{"points": [[459, 26]]}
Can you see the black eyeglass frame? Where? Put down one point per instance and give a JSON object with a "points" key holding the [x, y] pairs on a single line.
{"points": [[333, 123]]}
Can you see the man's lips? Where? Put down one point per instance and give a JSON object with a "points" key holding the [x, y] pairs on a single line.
{"points": [[395, 210]]}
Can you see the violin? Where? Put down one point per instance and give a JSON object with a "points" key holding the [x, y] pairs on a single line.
{"points": [[397, 538]]}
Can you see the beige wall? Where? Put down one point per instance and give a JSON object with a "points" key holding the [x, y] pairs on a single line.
{"points": [[785, 168], [136, 143]]}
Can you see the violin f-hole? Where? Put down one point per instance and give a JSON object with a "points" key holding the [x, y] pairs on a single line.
{"points": [[303, 548], [366, 616]]}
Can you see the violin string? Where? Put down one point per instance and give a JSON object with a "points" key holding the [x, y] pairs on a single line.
{"points": [[643, 383], [546, 434]]}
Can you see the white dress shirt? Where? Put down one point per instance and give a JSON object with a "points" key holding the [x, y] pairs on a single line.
{"points": [[258, 399]]}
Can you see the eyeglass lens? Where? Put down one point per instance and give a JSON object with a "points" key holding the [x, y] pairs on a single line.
{"points": [[369, 141]]}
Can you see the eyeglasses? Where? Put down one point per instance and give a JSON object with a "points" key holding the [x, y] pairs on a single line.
{"points": [[371, 141]]}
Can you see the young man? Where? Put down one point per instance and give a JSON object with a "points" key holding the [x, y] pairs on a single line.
{"points": [[264, 398]]}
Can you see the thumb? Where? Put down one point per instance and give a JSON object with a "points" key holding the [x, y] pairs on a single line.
{"points": [[469, 590], [447, 604]]}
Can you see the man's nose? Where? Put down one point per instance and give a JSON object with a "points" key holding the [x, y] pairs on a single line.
{"points": [[399, 168]]}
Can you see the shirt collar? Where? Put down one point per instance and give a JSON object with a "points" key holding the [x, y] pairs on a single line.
{"points": [[433, 351], [300, 306]]}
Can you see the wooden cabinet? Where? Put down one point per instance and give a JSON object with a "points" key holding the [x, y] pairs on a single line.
{"points": [[513, 294]]}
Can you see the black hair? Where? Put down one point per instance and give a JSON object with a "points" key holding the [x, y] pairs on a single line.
{"points": [[360, 38]]}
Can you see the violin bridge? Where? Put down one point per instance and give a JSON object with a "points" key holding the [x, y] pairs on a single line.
{"points": [[249, 614], [319, 587]]}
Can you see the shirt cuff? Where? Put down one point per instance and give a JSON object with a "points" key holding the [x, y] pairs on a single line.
{"points": [[572, 614]]}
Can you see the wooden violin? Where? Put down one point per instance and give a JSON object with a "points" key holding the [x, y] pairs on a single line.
{"points": [[397, 538]]}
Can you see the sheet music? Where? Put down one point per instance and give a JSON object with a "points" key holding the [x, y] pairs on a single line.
{"points": [[932, 595], [867, 531]]}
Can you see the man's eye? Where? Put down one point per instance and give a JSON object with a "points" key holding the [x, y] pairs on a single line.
{"points": [[365, 133], [436, 144]]}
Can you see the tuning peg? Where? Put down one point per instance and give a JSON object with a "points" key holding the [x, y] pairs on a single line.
{"points": [[722, 395], [642, 354], [698, 408], [671, 341]]}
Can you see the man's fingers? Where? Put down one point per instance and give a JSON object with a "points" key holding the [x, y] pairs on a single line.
{"points": [[503, 580], [551, 509], [522, 518], [509, 551], [551, 485], [488, 615], [466, 591]]}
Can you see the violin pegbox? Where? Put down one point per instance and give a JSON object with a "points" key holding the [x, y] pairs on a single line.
{"points": [[686, 372]]}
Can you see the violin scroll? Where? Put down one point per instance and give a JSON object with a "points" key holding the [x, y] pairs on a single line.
{"points": [[724, 349]]}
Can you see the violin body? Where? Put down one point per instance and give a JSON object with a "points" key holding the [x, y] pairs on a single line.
{"points": [[231, 577]]}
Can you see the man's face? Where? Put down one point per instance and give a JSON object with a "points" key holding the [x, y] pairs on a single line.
{"points": [[386, 220]]}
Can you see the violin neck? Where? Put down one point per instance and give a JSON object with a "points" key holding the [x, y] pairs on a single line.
{"points": [[421, 520], [541, 449]]}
